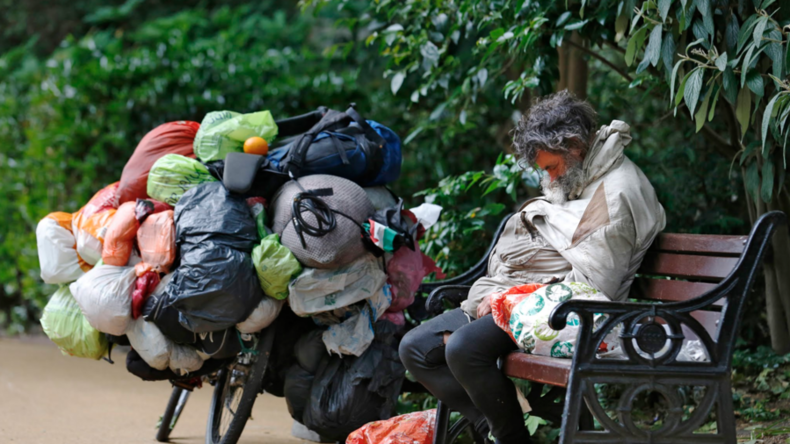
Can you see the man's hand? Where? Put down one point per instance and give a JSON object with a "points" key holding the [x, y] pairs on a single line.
{"points": [[485, 307]]}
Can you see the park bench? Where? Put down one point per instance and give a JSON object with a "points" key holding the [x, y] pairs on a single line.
{"points": [[693, 286]]}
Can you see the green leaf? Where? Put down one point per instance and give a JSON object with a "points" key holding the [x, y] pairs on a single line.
{"points": [[668, 50], [663, 9], [745, 32], [755, 82], [713, 104], [759, 30], [767, 189], [743, 107], [746, 62], [620, 27], [673, 76], [767, 115], [681, 89], [577, 25], [397, 81], [634, 44], [482, 76], [787, 57], [692, 89], [731, 33], [752, 181], [653, 50], [532, 423], [730, 85], [721, 62], [702, 112], [561, 20]]}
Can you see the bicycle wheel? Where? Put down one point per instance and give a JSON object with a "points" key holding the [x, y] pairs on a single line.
{"points": [[462, 432], [235, 390], [178, 399]]}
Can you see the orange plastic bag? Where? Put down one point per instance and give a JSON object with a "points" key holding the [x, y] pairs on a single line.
{"points": [[119, 240], [412, 428], [502, 304], [91, 222], [156, 239]]}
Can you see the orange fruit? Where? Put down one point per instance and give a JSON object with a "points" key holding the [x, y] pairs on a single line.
{"points": [[256, 145]]}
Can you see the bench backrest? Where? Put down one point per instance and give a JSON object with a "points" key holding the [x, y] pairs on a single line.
{"points": [[679, 267]]}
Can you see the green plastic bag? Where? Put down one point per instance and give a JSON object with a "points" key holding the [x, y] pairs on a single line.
{"points": [[66, 326], [275, 265], [173, 175], [223, 132]]}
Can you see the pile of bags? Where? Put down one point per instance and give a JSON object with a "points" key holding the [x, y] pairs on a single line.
{"points": [[185, 268]]}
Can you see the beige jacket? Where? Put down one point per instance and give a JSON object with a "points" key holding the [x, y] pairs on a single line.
{"points": [[599, 236]]}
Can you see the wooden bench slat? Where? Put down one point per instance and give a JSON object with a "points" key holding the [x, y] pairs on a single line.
{"points": [[542, 369], [668, 290], [700, 243], [688, 266]]}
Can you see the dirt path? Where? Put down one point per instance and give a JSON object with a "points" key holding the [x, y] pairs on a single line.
{"points": [[48, 398]]}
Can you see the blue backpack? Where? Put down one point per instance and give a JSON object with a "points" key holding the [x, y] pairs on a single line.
{"points": [[342, 144]]}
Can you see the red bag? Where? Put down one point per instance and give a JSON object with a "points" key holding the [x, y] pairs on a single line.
{"points": [[143, 287], [119, 240], [502, 304], [168, 138], [405, 272], [156, 239], [412, 428]]}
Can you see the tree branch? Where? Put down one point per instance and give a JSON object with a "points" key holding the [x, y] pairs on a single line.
{"points": [[601, 58]]}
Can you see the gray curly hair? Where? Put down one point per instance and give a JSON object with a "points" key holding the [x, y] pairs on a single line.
{"points": [[558, 123]]}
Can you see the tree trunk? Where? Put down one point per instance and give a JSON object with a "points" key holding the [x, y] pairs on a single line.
{"points": [[573, 67]]}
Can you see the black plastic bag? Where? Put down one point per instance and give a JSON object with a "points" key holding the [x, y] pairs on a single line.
{"points": [[298, 383], [209, 212], [214, 287], [349, 392]]}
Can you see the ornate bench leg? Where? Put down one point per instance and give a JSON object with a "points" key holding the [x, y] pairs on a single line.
{"points": [[442, 423]]}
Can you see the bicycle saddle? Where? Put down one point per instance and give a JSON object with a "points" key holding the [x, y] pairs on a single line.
{"points": [[240, 171]]}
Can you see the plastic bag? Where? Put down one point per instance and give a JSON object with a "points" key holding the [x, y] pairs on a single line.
{"points": [[405, 272], [275, 266], [349, 392], [156, 240], [411, 428], [173, 175], [91, 222], [57, 255], [143, 287], [297, 390], [150, 343], [502, 304], [184, 360], [64, 324], [119, 240], [320, 290], [223, 132], [146, 207], [168, 138], [105, 296], [529, 321], [353, 335], [263, 315], [258, 210]]}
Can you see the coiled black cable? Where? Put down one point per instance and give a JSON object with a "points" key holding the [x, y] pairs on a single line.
{"points": [[310, 202]]}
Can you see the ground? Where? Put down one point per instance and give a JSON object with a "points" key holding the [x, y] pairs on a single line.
{"points": [[48, 398]]}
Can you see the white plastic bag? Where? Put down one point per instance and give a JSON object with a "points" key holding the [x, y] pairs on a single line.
{"points": [[354, 335], [105, 297], [184, 360], [149, 342], [57, 254], [263, 315], [320, 290]]}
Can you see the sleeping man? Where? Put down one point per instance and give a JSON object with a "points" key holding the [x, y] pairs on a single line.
{"points": [[597, 217]]}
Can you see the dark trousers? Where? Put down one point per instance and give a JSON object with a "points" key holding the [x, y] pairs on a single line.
{"points": [[463, 373]]}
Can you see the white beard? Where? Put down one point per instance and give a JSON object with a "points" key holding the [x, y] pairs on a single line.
{"points": [[557, 191]]}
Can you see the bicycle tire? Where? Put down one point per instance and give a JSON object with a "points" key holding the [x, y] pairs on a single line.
{"points": [[252, 387], [163, 434], [461, 426]]}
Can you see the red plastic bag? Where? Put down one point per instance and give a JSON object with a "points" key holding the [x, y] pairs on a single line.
{"points": [[143, 287], [168, 138], [156, 239], [502, 304], [405, 272], [91, 222], [119, 240], [412, 428]]}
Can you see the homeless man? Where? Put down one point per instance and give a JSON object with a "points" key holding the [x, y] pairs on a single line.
{"points": [[593, 224]]}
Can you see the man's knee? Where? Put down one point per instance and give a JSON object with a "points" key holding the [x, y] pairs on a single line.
{"points": [[410, 348], [457, 353]]}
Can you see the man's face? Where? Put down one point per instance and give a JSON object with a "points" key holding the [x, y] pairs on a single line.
{"points": [[564, 174]]}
